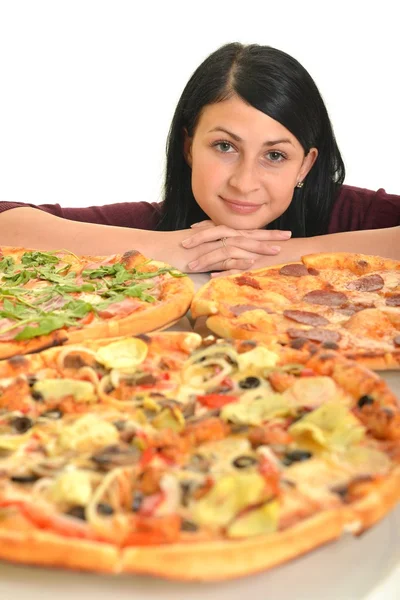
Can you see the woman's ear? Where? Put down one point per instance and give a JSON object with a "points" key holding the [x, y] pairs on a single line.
{"points": [[187, 147], [308, 162]]}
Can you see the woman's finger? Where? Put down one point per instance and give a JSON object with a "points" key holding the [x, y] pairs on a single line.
{"points": [[220, 232], [225, 273], [221, 259], [207, 223]]}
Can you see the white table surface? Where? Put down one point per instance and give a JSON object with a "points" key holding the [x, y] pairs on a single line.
{"points": [[364, 568]]}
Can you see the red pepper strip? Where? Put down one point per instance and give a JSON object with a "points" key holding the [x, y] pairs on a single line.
{"points": [[62, 525], [154, 530], [147, 456], [307, 372], [271, 474], [87, 319], [216, 400]]}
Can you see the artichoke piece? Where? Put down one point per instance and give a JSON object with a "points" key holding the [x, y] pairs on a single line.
{"points": [[56, 389], [329, 426], [125, 354], [259, 357], [228, 497], [169, 418], [257, 521], [254, 411]]}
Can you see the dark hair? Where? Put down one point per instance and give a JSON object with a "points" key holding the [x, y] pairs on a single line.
{"points": [[276, 84]]}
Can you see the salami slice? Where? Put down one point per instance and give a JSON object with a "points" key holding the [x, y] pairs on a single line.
{"points": [[305, 317], [238, 309], [326, 298], [315, 334], [370, 283], [247, 280], [294, 270], [393, 300]]}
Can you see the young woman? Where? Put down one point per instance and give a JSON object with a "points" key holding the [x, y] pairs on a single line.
{"points": [[252, 161]]}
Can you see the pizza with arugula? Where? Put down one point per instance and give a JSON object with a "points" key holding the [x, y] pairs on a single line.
{"points": [[51, 298], [189, 458]]}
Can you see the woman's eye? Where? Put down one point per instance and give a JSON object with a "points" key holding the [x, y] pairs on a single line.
{"points": [[275, 156], [224, 147]]}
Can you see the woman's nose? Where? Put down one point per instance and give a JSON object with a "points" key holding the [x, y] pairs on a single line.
{"points": [[244, 177]]}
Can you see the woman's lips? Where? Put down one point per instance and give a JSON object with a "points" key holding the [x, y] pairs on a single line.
{"points": [[243, 209]]}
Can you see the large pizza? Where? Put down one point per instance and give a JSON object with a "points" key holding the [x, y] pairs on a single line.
{"points": [[347, 302], [52, 298], [190, 458]]}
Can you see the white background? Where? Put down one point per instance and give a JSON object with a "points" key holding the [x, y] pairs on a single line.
{"points": [[88, 88]]}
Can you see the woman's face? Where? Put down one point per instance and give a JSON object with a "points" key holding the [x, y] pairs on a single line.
{"points": [[245, 165]]}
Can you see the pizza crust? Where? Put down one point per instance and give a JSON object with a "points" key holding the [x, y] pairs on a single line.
{"points": [[36, 547]]}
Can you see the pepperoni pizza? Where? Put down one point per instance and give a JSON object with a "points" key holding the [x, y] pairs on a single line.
{"points": [[341, 301]]}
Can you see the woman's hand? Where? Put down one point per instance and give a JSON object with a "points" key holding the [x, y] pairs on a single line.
{"points": [[230, 250]]}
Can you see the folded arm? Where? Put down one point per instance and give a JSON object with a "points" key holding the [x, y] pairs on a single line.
{"points": [[382, 242]]}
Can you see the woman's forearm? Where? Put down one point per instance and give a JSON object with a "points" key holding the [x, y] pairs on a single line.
{"points": [[32, 228]]}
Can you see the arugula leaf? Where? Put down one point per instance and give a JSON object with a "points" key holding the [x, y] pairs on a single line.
{"points": [[44, 327], [37, 258], [14, 311], [7, 264], [149, 274], [138, 290], [19, 278], [70, 288], [77, 309]]}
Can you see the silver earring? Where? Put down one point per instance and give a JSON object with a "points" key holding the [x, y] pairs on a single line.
{"points": [[300, 184]]}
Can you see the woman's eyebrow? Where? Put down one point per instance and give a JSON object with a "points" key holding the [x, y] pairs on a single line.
{"points": [[239, 139]]}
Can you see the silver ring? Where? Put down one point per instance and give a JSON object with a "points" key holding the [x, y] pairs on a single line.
{"points": [[223, 240]]}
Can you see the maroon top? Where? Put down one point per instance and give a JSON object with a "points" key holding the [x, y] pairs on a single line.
{"points": [[354, 209]]}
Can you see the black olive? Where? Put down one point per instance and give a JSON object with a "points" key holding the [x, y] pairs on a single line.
{"points": [[249, 383], [77, 511], [341, 491], [364, 400], [242, 462], [28, 478], [21, 424], [187, 525], [137, 500], [103, 508], [31, 379], [120, 424], [54, 413], [37, 396], [296, 456], [186, 489]]}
